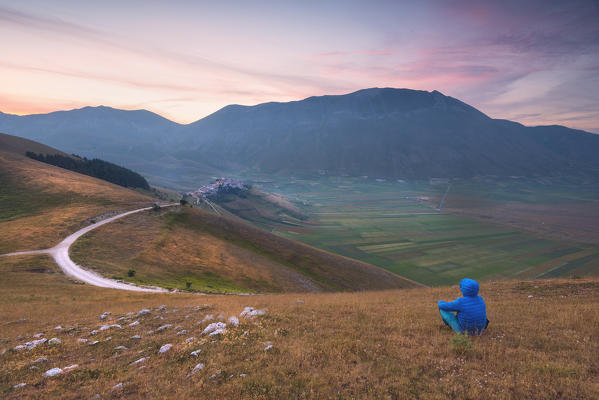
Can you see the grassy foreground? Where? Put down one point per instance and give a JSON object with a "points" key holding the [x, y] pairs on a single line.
{"points": [[542, 343]]}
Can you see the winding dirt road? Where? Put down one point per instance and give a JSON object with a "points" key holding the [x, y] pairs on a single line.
{"points": [[60, 253]]}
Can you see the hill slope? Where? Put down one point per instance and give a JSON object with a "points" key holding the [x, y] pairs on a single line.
{"points": [[542, 343], [386, 132]]}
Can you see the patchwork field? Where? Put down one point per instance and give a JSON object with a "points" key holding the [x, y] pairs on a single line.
{"points": [[396, 226], [541, 342]]}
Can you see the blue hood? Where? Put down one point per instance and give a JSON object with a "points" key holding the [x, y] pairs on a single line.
{"points": [[469, 287]]}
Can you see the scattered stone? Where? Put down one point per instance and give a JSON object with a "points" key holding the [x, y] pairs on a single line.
{"points": [[221, 317], [196, 353], [94, 332], [190, 339], [133, 324], [82, 340], [58, 328], [163, 327], [143, 312], [117, 386], [135, 337], [183, 332], [195, 369], [139, 361], [175, 310], [207, 318], [34, 367], [104, 315], [233, 320], [106, 327], [109, 338], [530, 296], [53, 372], [41, 359], [161, 308], [213, 376], [299, 301], [159, 317], [38, 335], [121, 348], [34, 343], [70, 367], [20, 385], [96, 396], [251, 312], [165, 348], [215, 328], [121, 319], [243, 375], [268, 347], [94, 342]]}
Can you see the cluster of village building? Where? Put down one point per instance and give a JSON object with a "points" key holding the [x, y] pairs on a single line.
{"points": [[212, 189]]}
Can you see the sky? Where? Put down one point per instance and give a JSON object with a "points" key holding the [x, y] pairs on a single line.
{"points": [[535, 62]]}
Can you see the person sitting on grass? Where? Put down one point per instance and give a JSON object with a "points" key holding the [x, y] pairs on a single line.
{"points": [[471, 310]]}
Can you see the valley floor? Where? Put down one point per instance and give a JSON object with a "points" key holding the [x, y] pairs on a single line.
{"points": [[542, 342]]}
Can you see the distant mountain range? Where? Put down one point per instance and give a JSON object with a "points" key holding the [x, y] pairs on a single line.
{"points": [[391, 133]]}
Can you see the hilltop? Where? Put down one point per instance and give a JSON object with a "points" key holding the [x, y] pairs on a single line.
{"points": [[541, 342], [382, 132]]}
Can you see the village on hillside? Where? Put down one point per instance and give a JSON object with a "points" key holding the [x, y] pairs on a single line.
{"points": [[220, 185]]}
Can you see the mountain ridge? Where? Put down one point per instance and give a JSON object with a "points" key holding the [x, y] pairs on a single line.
{"points": [[382, 132]]}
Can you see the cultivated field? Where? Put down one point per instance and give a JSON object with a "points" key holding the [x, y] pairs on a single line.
{"points": [[395, 225], [542, 342]]}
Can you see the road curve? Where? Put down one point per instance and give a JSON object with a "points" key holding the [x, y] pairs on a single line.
{"points": [[60, 253]]}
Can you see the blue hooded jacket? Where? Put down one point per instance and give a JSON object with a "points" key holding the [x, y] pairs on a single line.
{"points": [[472, 311]]}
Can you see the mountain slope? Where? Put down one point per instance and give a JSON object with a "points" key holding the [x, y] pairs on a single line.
{"points": [[388, 133], [382, 132]]}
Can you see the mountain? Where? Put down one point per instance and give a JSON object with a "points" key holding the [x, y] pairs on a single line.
{"points": [[382, 132], [387, 133]]}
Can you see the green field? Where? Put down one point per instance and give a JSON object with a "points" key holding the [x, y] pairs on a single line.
{"points": [[395, 225]]}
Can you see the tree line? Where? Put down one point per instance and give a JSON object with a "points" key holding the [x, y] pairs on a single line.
{"points": [[97, 168]]}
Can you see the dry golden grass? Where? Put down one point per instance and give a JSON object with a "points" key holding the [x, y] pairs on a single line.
{"points": [[388, 345], [41, 204], [218, 254]]}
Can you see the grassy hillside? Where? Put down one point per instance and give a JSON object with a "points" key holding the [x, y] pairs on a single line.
{"points": [[40, 204], [542, 343], [198, 250]]}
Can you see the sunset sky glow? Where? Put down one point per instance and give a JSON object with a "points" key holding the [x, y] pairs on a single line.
{"points": [[535, 62]]}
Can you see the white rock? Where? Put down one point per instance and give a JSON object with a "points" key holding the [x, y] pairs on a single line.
{"points": [[20, 385], [165, 348], [94, 342], [161, 308], [108, 338], [163, 327], [94, 332], [117, 386], [38, 335], [268, 347], [190, 339], [53, 372], [197, 368], [183, 332], [221, 317], [251, 312], [121, 348], [82, 340], [135, 337], [243, 375], [54, 340], [196, 353], [105, 314], [130, 314], [233, 320], [143, 312], [133, 324], [41, 359], [213, 327], [70, 367], [299, 301], [139, 361], [207, 318], [530, 296], [58, 328], [106, 327]]}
